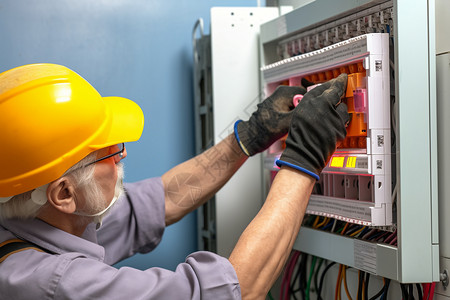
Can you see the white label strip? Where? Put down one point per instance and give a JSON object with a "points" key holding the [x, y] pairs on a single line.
{"points": [[365, 255], [337, 54], [353, 211]]}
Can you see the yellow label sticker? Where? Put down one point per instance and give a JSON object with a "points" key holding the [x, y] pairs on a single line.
{"points": [[337, 162], [351, 162]]}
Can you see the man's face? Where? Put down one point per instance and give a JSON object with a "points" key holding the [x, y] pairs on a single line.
{"points": [[106, 183], [106, 172]]}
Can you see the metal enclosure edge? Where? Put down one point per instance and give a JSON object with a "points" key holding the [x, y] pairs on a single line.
{"points": [[416, 148]]}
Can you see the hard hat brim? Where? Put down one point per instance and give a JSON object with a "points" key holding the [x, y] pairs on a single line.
{"points": [[126, 123]]}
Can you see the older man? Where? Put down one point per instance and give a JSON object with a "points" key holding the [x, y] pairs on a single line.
{"points": [[60, 174]]}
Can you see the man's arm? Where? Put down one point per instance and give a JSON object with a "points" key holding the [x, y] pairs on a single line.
{"points": [[192, 183], [317, 126], [264, 246]]}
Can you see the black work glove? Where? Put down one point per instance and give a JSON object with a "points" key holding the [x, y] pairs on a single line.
{"points": [[318, 125], [269, 122]]}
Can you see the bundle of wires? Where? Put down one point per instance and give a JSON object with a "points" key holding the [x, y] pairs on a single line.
{"points": [[285, 291], [302, 283], [428, 290]]}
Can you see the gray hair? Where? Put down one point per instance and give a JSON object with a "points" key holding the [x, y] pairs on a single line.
{"points": [[22, 207]]}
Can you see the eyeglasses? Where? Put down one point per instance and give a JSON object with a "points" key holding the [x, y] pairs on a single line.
{"points": [[117, 154]]}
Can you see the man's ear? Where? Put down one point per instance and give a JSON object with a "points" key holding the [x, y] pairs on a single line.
{"points": [[61, 195]]}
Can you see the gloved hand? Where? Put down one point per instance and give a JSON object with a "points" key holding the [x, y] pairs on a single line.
{"points": [[318, 125], [269, 122]]}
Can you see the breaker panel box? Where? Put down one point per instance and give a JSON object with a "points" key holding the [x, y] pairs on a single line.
{"points": [[380, 186], [355, 186]]}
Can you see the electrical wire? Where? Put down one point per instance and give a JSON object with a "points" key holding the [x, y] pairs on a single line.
{"points": [[357, 231], [410, 292], [352, 228], [360, 285], [368, 234], [419, 291], [323, 223], [386, 289], [328, 225], [426, 290], [316, 273], [363, 232], [345, 283], [392, 236], [290, 270], [433, 285], [284, 291], [322, 277], [394, 241], [383, 236], [311, 272], [404, 292], [342, 230], [366, 287], [316, 221], [377, 295], [301, 276], [337, 291], [334, 225]]}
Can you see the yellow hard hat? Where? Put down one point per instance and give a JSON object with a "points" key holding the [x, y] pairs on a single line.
{"points": [[51, 118]]}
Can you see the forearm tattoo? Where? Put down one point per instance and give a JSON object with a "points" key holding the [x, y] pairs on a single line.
{"points": [[207, 173], [184, 189]]}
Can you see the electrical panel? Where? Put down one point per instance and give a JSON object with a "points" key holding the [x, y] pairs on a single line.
{"points": [[380, 186], [355, 186]]}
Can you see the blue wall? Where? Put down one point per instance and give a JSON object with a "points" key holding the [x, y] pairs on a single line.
{"points": [[139, 49]]}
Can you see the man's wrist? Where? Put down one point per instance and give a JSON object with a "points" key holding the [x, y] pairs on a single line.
{"points": [[238, 140], [281, 163], [297, 175]]}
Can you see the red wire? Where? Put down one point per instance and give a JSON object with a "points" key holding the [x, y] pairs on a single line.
{"points": [[389, 238], [433, 285], [287, 275], [291, 271], [394, 241], [283, 282], [426, 290]]}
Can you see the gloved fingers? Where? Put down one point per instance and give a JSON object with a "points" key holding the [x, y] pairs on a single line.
{"points": [[306, 83], [337, 84], [342, 110], [318, 90], [334, 93], [282, 98]]}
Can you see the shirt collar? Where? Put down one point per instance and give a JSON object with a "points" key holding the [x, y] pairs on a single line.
{"points": [[54, 239]]}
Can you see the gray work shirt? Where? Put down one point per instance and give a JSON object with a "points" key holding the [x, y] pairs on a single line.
{"points": [[80, 268]]}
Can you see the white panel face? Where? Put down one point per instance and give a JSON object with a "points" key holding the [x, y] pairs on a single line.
{"points": [[236, 92]]}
